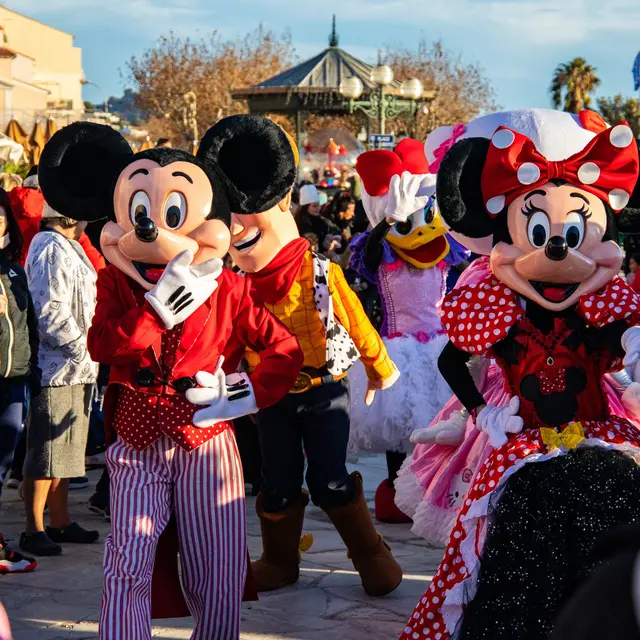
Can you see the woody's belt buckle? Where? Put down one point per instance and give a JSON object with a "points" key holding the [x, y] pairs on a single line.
{"points": [[303, 383]]}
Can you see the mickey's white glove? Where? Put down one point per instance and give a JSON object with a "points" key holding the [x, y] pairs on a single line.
{"points": [[446, 432], [403, 199], [496, 422], [225, 397], [182, 288], [631, 344]]}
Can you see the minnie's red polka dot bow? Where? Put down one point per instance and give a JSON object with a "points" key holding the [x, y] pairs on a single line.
{"points": [[607, 167]]}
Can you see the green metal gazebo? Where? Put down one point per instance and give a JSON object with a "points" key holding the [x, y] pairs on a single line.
{"points": [[314, 87]]}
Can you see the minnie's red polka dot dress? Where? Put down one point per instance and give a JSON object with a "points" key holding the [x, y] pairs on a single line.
{"points": [[476, 317], [141, 417]]}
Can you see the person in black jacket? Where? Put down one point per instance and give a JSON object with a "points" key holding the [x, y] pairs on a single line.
{"points": [[19, 372]]}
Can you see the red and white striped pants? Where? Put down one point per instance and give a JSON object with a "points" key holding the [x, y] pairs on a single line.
{"points": [[205, 489]]}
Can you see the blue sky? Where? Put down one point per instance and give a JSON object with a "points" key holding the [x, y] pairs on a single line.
{"points": [[518, 42]]}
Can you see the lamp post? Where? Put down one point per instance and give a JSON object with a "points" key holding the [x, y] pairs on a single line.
{"points": [[190, 116], [382, 104]]}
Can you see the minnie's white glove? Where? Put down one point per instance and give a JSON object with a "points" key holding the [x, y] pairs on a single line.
{"points": [[403, 199], [225, 397], [496, 422], [446, 432], [182, 288], [631, 344]]}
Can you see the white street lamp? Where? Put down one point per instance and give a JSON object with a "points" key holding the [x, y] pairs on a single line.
{"points": [[351, 88], [382, 75], [412, 89]]}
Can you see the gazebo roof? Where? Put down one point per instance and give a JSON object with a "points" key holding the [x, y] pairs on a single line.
{"points": [[324, 71], [312, 85]]}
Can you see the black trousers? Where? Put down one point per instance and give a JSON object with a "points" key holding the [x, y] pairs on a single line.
{"points": [[315, 423]]}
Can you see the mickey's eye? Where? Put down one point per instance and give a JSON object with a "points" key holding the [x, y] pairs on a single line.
{"points": [[404, 228], [175, 210], [573, 230], [140, 206], [538, 229]]}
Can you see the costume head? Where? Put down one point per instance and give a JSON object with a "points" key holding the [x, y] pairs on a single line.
{"points": [[259, 162], [550, 189], [420, 240], [158, 202]]}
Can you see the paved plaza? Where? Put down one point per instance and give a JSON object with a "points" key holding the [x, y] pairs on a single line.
{"points": [[60, 600]]}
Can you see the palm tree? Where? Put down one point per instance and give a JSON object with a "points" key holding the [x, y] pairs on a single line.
{"points": [[576, 79]]}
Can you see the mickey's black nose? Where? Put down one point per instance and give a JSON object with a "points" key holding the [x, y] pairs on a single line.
{"points": [[146, 229], [557, 248]]}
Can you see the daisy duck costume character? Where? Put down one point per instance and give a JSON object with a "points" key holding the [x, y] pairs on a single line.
{"points": [[432, 484], [312, 298], [407, 255], [173, 326], [555, 316]]}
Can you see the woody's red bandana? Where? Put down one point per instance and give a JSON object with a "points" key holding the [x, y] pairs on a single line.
{"points": [[607, 167]]}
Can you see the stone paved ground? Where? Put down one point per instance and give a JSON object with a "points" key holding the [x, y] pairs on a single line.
{"points": [[61, 599]]}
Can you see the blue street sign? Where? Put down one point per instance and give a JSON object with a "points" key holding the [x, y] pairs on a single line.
{"points": [[636, 73], [382, 141]]}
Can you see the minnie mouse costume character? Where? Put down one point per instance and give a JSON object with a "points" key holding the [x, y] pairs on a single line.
{"points": [[173, 325], [312, 298], [407, 256], [555, 316]]}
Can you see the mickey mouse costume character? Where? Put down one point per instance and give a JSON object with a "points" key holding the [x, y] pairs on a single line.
{"points": [[173, 325], [312, 298], [407, 256], [550, 190]]}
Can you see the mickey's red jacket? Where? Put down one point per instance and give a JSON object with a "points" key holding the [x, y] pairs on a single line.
{"points": [[125, 333]]}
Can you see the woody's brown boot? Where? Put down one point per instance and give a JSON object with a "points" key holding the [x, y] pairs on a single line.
{"points": [[379, 572], [279, 564]]}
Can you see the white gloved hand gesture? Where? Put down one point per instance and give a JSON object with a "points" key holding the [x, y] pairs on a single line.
{"points": [[631, 344], [448, 432], [497, 422], [183, 287], [224, 397], [403, 199]]}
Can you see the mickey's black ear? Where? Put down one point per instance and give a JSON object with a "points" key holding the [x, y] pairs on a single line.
{"points": [[458, 188], [78, 169], [256, 158], [628, 220]]}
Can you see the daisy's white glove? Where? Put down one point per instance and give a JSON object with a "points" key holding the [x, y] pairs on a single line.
{"points": [[403, 199], [631, 344], [183, 287], [224, 397], [446, 432], [497, 422]]}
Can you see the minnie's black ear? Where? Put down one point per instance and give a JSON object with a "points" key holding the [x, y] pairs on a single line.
{"points": [[78, 169], [256, 158], [628, 220], [458, 188]]}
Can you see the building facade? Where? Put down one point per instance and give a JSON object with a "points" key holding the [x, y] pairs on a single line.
{"points": [[40, 72]]}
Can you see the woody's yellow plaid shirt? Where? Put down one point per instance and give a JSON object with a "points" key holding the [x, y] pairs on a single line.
{"points": [[299, 314]]}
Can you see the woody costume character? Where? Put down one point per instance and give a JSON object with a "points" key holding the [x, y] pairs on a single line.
{"points": [[311, 298], [173, 325], [550, 190]]}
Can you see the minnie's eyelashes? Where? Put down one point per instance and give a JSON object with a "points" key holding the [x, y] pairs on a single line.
{"points": [[529, 209], [584, 211]]}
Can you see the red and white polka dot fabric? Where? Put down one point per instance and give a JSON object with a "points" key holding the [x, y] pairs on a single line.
{"points": [[616, 301], [441, 608], [478, 316], [607, 167], [141, 418]]}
